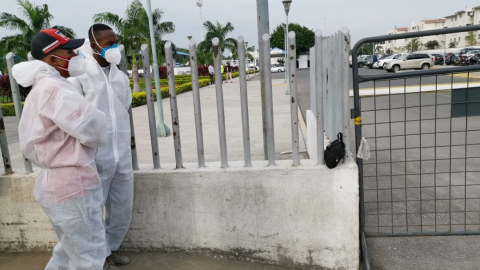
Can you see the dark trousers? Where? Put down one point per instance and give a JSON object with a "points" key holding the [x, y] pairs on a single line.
{"points": [[211, 79]]}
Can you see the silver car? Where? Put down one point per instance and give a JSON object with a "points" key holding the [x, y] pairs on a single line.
{"points": [[411, 61]]}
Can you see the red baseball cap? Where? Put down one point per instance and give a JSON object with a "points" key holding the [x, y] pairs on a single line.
{"points": [[49, 40]]}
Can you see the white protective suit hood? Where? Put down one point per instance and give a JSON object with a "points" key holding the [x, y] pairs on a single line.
{"points": [[27, 73]]}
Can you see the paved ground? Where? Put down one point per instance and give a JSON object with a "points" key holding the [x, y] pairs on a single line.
{"points": [[140, 261]]}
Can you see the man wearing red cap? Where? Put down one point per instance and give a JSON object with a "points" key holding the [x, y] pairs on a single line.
{"points": [[60, 132]]}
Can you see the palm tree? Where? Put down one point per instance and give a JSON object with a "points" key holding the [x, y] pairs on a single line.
{"points": [[36, 19], [414, 45], [218, 31], [133, 31]]}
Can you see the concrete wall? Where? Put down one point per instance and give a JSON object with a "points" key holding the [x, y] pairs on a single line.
{"points": [[303, 61], [306, 215]]}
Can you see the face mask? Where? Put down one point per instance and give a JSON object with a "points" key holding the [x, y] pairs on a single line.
{"points": [[111, 54], [75, 65]]}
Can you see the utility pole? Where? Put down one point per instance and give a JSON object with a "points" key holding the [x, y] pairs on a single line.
{"points": [[200, 4], [263, 23], [162, 128]]}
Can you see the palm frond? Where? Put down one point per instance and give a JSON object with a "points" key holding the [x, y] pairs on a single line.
{"points": [[12, 22], [110, 19], [65, 30]]}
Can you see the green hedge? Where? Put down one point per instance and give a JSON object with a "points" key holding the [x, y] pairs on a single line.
{"points": [[139, 99], [8, 109]]}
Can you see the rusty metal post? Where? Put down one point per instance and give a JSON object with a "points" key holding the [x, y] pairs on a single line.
{"points": [[269, 103], [17, 101], [293, 97], [133, 144], [217, 59], [173, 105], [263, 23], [150, 106], [345, 94], [196, 104], [244, 102]]}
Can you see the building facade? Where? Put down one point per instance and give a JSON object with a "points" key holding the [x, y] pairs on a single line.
{"points": [[466, 17]]}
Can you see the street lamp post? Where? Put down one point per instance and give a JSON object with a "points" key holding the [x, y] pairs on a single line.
{"points": [[254, 61], [162, 129], [246, 60], [286, 5]]}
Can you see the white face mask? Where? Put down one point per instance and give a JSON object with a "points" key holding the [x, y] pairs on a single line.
{"points": [[76, 65], [111, 54]]}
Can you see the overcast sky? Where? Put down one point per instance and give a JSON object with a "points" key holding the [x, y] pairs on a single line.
{"points": [[363, 17]]}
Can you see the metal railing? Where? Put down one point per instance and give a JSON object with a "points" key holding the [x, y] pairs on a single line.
{"points": [[417, 181], [321, 70]]}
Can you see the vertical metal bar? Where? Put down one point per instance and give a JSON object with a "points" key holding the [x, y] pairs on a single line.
{"points": [[358, 139], [293, 97], [173, 105], [420, 129], [345, 48], [244, 101], [7, 165], [435, 156], [196, 104], [319, 79], [313, 91], [466, 150], [263, 23], [150, 106], [17, 101], [217, 59], [133, 144], [269, 103], [162, 129]]}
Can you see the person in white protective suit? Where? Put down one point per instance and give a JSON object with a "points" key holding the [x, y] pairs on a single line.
{"points": [[60, 132], [108, 89]]}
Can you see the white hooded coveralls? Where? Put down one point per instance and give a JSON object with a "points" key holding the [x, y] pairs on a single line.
{"points": [[59, 131], [111, 94]]}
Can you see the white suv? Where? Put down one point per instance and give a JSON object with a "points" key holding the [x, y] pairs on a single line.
{"points": [[411, 61]]}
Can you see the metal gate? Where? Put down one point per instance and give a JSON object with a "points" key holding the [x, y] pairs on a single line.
{"points": [[423, 128]]}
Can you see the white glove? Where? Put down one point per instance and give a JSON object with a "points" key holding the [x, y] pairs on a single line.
{"points": [[364, 150]]}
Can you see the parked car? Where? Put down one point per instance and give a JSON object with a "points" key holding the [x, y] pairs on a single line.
{"points": [[276, 68], [377, 64], [382, 63], [411, 61], [365, 60]]}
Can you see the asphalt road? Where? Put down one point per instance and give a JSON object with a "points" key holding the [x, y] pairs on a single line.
{"points": [[303, 83]]}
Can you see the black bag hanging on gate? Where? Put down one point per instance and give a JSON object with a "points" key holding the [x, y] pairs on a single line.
{"points": [[335, 152]]}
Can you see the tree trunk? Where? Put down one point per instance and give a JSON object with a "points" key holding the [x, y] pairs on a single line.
{"points": [[136, 78]]}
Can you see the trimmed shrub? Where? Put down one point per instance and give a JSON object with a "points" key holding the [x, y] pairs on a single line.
{"points": [[8, 109]]}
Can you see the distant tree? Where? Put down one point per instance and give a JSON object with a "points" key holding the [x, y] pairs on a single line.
{"points": [[36, 17], [305, 37], [414, 45], [218, 31], [451, 45], [365, 49], [379, 49], [432, 44], [389, 51], [281, 61], [471, 39]]}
